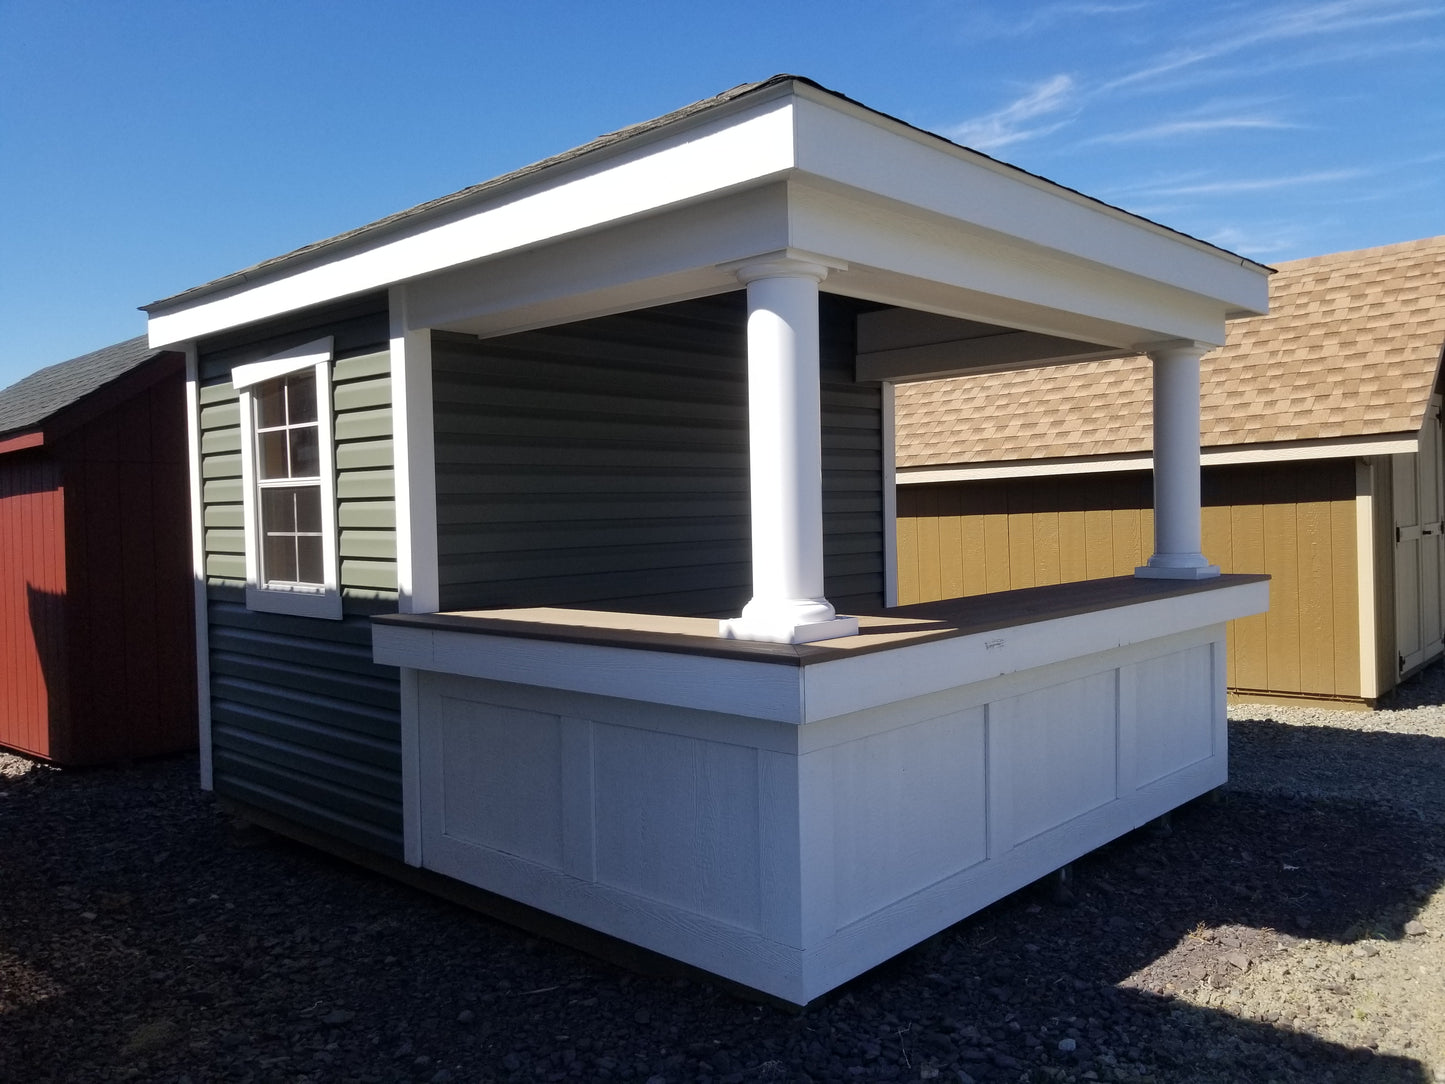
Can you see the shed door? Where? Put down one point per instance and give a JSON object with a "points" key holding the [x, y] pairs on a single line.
{"points": [[1419, 548]]}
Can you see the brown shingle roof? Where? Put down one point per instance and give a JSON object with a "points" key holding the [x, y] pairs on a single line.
{"points": [[1350, 348]]}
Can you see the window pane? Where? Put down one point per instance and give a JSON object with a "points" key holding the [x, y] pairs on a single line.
{"points": [[273, 454], [270, 403], [308, 509], [308, 556], [305, 452], [278, 511], [280, 559], [301, 398]]}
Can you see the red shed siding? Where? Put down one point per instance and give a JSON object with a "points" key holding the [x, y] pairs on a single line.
{"points": [[130, 607], [97, 642], [32, 592]]}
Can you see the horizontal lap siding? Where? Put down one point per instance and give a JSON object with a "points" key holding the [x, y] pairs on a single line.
{"points": [[605, 464], [1292, 521], [852, 417], [303, 723]]}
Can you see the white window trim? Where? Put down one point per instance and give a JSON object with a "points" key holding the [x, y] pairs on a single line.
{"points": [[298, 601]]}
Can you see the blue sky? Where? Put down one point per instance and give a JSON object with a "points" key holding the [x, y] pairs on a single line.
{"points": [[152, 145]]}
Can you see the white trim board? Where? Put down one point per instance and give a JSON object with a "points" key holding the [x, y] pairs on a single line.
{"points": [[1210, 457], [198, 565]]}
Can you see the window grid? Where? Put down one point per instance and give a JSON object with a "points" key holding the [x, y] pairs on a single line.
{"points": [[289, 481]]}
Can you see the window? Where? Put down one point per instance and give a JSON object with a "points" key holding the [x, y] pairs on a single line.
{"points": [[289, 479]]}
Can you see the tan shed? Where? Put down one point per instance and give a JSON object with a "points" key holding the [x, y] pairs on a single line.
{"points": [[1321, 466]]}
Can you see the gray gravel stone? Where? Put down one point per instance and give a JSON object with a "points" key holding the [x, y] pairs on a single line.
{"points": [[221, 955]]}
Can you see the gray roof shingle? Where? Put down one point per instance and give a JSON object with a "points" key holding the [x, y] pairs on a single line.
{"points": [[33, 399], [451, 202]]}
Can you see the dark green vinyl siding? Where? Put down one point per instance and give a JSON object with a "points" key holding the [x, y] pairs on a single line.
{"points": [[605, 464], [303, 723]]}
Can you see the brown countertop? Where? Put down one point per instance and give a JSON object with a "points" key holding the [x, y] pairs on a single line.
{"points": [[885, 630]]}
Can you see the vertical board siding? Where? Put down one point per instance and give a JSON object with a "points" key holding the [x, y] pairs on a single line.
{"points": [[130, 608], [303, 723], [1292, 521], [605, 464], [32, 601], [97, 637]]}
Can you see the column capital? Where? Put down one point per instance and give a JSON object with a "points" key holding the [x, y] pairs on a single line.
{"points": [[784, 262], [1173, 348]]}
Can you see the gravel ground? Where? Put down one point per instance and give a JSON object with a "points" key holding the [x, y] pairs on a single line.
{"points": [[1290, 931]]}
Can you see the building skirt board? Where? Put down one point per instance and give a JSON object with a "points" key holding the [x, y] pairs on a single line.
{"points": [[792, 856]]}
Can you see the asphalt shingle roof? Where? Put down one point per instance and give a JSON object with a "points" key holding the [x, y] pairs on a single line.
{"points": [[1350, 348], [32, 399], [452, 202]]}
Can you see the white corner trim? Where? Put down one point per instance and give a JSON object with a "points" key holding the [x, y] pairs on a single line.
{"points": [[1297, 451], [414, 452], [411, 797], [198, 565], [417, 578], [320, 602], [1366, 481]]}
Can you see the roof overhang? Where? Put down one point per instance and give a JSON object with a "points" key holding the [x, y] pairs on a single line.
{"points": [[15, 442], [658, 216], [1233, 455]]}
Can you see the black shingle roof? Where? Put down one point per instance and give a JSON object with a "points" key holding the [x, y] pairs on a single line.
{"points": [[33, 399]]}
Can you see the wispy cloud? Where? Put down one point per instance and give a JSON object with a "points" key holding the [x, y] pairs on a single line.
{"points": [[1230, 44], [1260, 241], [1189, 187], [1288, 23], [1044, 109], [1046, 17], [1194, 127]]}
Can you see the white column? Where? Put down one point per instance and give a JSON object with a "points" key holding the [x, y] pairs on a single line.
{"points": [[785, 457], [1178, 553]]}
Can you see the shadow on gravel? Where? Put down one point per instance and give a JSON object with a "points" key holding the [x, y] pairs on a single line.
{"points": [[141, 938], [1270, 756]]}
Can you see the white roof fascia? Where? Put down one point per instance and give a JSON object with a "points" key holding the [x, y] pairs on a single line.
{"points": [[876, 154], [1298, 451], [735, 145]]}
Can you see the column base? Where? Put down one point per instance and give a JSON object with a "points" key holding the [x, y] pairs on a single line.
{"points": [[775, 632], [1184, 572]]}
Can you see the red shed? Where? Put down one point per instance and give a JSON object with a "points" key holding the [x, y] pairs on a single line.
{"points": [[97, 643]]}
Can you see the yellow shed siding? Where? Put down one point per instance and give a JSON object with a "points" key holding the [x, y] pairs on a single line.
{"points": [[1295, 522]]}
